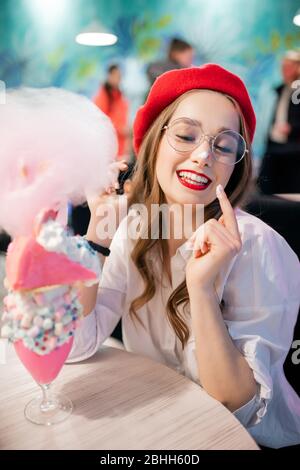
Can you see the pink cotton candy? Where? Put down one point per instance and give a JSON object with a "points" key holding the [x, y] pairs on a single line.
{"points": [[56, 147]]}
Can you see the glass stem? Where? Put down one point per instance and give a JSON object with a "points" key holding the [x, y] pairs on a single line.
{"points": [[47, 403]]}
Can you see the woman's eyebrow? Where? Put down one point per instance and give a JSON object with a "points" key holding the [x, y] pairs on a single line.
{"points": [[221, 129]]}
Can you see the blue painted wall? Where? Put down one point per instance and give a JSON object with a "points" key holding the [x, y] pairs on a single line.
{"points": [[37, 46]]}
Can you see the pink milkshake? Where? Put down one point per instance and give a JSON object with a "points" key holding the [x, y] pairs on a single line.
{"points": [[44, 369], [42, 308]]}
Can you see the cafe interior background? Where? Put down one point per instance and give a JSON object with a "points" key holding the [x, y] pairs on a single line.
{"points": [[38, 48]]}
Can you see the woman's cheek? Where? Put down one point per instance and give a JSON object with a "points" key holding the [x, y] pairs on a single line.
{"points": [[224, 176], [164, 172]]}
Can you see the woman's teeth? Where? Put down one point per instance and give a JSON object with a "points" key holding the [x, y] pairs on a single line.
{"points": [[193, 178]]}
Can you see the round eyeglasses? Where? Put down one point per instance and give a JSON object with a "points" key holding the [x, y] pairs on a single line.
{"points": [[185, 135]]}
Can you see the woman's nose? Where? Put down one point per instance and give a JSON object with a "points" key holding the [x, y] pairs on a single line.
{"points": [[202, 155]]}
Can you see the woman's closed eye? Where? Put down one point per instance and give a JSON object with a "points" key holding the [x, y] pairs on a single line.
{"points": [[223, 149], [186, 138]]}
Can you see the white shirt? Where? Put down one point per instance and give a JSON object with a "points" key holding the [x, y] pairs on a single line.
{"points": [[261, 291]]}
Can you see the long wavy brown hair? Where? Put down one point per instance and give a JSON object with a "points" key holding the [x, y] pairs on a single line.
{"points": [[146, 190]]}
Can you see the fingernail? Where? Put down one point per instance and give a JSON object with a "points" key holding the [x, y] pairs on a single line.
{"points": [[219, 191]]}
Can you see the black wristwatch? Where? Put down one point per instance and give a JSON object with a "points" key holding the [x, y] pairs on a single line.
{"points": [[99, 248]]}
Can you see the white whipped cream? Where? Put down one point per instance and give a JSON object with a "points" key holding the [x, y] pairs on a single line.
{"points": [[54, 237]]}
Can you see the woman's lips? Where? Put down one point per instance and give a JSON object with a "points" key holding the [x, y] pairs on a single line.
{"points": [[188, 179]]}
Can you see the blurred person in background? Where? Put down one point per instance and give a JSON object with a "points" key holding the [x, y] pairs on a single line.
{"points": [[112, 102], [286, 120], [279, 172], [180, 55]]}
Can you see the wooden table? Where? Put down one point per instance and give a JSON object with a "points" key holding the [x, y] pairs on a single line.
{"points": [[121, 401]]}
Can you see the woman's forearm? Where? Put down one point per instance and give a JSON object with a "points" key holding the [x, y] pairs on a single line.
{"points": [[223, 371], [88, 295]]}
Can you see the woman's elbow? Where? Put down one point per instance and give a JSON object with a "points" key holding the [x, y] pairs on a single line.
{"points": [[243, 396]]}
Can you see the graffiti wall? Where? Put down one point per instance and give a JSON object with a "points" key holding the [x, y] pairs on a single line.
{"points": [[37, 46]]}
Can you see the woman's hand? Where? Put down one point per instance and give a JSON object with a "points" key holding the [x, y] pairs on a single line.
{"points": [[114, 170], [107, 203], [214, 245]]}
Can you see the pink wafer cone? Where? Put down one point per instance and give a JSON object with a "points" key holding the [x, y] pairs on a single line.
{"points": [[30, 266], [43, 368]]}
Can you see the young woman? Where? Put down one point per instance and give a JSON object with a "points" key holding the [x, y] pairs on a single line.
{"points": [[218, 306]]}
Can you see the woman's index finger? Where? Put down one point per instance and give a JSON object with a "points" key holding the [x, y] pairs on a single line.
{"points": [[229, 217]]}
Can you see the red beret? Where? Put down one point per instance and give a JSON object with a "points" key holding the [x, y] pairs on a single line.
{"points": [[170, 85]]}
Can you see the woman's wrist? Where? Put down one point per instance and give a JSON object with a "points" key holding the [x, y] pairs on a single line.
{"points": [[91, 235], [202, 291], [204, 300]]}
